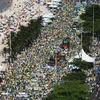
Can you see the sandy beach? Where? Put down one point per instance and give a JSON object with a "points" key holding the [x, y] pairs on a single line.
{"points": [[18, 14]]}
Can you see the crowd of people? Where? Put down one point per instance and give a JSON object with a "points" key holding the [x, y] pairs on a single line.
{"points": [[30, 73], [8, 23]]}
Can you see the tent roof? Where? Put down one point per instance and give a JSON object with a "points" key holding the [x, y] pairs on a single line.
{"points": [[84, 56], [87, 57]]}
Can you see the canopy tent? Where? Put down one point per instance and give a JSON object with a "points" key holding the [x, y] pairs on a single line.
{"points": [[47, 20], [50, 15], [84, 56], [87, 57]]}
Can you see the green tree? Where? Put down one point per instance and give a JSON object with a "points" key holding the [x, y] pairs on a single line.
{"points": [[88, 19], [76, 76], [70, 90], [25, 36], [87, 41], [80, 63]]}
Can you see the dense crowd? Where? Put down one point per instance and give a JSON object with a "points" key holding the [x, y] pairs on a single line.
{"points": [[8, 23], [30, 73]]}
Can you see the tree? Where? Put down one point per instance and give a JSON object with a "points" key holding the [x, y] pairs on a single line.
{"points": [[80, 63], [88, 19], [25, 36], [73, 88], [76, 76], [87, 41], [70, 90]]}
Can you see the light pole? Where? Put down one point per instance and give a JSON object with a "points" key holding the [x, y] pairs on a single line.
{"points": [[99, 2], [87, 2], [93, 22], [81, 40], [38, 8], [81, 35], [10, 49], [56, 66]]}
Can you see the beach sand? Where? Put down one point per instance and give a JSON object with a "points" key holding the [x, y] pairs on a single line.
{"points": [[17, 6]]}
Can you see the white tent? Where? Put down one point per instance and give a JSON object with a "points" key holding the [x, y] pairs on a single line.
{"points": [[47, 20], [87, 57], [84, 56]]}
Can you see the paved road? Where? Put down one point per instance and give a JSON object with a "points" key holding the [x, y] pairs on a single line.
{"points": [[96, 94]]}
